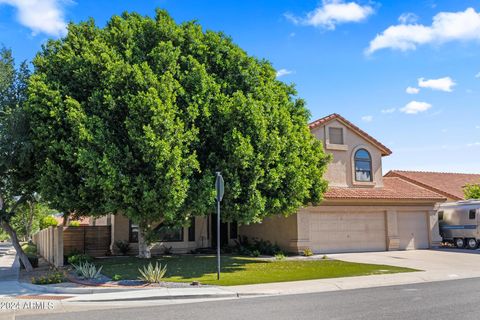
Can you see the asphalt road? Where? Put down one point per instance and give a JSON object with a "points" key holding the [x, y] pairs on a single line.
{"points": [[457, 299]]}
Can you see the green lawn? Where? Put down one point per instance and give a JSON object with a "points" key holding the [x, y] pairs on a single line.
{"points": [[243, 270]]}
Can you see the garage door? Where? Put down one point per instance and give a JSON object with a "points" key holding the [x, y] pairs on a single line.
{"points": [[347, 232], [413, 230]]}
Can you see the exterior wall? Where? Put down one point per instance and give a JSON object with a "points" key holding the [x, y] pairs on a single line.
{"points": [[121, 231], [280, 230], [297, 232], [340, 172]]}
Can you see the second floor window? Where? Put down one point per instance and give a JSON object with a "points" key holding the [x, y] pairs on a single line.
{"points": [[335, 135], [363, 166]]}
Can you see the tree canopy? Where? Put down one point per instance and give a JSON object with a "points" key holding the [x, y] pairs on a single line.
{"points": [[137, 116], [472, 191]]}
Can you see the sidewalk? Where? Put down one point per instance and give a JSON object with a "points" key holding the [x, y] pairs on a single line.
{"points": [[9, 270]]}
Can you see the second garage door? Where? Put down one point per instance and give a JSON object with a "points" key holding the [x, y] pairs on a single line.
{"points": [[413, 230], [347, 232]]}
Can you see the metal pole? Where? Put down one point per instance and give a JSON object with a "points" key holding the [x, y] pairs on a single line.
{"points": [[218, 240]]}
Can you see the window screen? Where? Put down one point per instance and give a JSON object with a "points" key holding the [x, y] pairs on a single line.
{"points": [[335, 135], [471, 214]]}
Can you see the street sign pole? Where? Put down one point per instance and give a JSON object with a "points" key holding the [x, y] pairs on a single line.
{"points": [[219, 186]]}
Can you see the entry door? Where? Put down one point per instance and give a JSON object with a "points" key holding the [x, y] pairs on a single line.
{"points": [[223, 232]]}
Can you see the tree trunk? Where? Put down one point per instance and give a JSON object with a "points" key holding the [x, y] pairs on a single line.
{"points": [[144, 248], [13, 236], [28, 227], [66, 219]]}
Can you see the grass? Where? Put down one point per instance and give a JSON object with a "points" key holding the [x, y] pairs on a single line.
{"points": [[243, 270]]}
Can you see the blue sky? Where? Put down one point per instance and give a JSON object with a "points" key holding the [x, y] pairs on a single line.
{"points": [[356, 58]]}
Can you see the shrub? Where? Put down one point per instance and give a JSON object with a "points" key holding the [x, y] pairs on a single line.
{"points": [[123, 246], [74, 224], [279, 256], [167, 250], [87, 270], [29, 248], [54, 277], [307, 252], [116, 277], [152, 274], [79, 258], [324, 257], [244, 247], [48, 221], [33, 261], [255, 253]]}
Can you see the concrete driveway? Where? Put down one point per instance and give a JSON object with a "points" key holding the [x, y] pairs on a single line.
{"points": [[438, 264]]}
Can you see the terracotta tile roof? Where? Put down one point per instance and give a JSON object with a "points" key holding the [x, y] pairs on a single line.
{"points": [[394, 189], [375, 142], [447, 184]]}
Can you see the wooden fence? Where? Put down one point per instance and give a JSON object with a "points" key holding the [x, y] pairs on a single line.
{"points": [[54, 243], [91, 240]]}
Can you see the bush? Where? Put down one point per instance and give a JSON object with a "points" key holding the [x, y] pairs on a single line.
{"points": [[33, 261], [87, 270], [152, 274], [116, 277], [244, 247], [307, 252], [279, 256], [255, 253], [167, 250], [79, 258], [122, 246], [54, 277], [48, 221], [29, 248], [74, 224]]}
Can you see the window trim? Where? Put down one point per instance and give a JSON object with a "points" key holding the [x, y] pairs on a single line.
{"points": [[354, 166]]}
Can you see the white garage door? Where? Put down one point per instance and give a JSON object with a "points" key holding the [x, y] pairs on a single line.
{"points": [[347, 232], [413, 230]]}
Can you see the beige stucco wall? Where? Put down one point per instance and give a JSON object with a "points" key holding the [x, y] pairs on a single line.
{"points": [[277, 229], [120, 231], [340, 172], [297, 232]]}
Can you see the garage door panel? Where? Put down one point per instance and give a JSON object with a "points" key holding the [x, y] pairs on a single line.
{"points": [[347, 232], [413, 230]]}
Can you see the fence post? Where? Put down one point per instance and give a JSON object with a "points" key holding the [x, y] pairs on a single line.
{"points": [[58, 247]]}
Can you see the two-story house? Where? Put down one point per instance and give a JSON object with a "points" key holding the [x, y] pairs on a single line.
{"points": [[362, 210]]}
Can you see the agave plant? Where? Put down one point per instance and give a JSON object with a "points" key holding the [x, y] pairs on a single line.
{"points": [[87, 270], [152, 274]]}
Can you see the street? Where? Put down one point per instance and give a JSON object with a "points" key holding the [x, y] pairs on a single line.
{"points": [[456, 299]]}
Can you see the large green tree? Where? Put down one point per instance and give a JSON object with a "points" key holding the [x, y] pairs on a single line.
{"points": [[17, 157], [141, 113]]}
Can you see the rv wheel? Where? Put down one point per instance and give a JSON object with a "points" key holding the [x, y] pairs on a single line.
{"points": [[472, 243], [459, 243]]}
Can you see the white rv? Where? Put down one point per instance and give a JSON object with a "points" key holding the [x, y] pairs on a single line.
{"points": [[459, 223]]}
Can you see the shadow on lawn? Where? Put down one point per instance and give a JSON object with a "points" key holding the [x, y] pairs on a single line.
{"points": [[181, 266]]}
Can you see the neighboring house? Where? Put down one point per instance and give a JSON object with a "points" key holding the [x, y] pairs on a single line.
{"points": [[362, 210], [450, 185]]}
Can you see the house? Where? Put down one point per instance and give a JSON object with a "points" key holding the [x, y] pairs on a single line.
{"points": [[450, 185], [362, 209]]}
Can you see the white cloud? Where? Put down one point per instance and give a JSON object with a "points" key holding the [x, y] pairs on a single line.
{"points": [[412, 90], [446, 26], [367, 118], [332, 13], [390, 110], [414, 107], [407, 17], [283, 72], [41, 16], [473, 144], [441, 84]]}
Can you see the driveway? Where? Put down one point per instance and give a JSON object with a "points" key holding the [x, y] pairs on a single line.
{"points": [[438, 264]]}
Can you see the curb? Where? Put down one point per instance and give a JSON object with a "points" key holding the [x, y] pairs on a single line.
{"points": [[66, 290], [166, 297]]}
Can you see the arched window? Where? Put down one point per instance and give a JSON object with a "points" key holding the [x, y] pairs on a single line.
{"points": [[363, 166]]}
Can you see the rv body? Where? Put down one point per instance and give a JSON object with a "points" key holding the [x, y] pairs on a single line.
{"points": [[459, 223]]}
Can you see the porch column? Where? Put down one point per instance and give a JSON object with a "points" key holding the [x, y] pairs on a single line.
{"points": [[393, 240]]}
